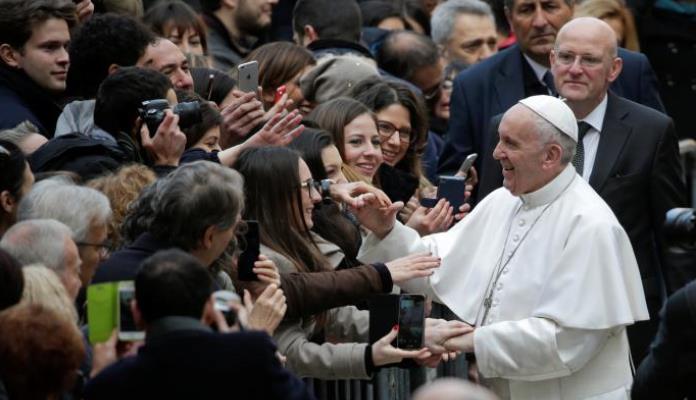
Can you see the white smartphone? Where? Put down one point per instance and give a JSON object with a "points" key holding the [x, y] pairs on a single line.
{"points": [[127, 331], [248, 76], [467, 164]]}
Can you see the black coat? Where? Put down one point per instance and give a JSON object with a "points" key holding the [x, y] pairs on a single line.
{"points": [[123, 265], [669, 371], [196, 363]]}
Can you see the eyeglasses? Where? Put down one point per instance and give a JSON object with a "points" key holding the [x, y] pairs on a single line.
{"points": [[568, 58], [431, 93], [310, 184], [387, 130], [103, 248]]}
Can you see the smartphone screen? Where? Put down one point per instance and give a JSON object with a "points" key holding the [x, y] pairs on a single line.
{"points": [[248, 74], [250, 244], [411, 321], [127, 330]]}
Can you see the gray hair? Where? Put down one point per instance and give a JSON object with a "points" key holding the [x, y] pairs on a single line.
{"points": [[445, 15], [192, 198], [550, 134], [78, 207], [19, 133], [38, 241]]}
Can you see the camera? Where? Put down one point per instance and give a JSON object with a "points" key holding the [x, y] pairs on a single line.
{"points": [[152, 113], [680, 226]]}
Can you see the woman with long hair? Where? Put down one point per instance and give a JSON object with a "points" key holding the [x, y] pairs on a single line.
{"points": [[16, 180], [281, 195]]}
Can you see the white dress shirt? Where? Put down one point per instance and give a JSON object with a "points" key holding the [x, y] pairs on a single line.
{"points": [[591, 140]]}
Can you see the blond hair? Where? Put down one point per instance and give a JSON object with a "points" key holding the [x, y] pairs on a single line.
{"points": [[608, 9], [43, 287]]}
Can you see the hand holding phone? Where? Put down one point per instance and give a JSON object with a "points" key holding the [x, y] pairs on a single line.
{"points": [[466, 165], [127, 330], [452, 188]]}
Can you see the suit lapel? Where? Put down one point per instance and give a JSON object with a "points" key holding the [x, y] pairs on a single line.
{"points": [[509, 81], [612, 140]]}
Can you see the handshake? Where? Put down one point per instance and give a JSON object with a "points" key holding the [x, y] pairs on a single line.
{"points": [[443, 341]]}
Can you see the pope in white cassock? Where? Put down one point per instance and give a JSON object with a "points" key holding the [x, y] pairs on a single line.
{"points": [[541, 268]]}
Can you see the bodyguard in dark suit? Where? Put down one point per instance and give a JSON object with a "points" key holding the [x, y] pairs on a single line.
{"points": [[184, 359], [492, 86], [628, 153]]}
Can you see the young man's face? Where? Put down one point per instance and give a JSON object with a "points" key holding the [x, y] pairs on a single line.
{"points": [[45, 55]]}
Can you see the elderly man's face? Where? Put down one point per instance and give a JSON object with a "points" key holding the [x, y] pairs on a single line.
{"points": [[70, 276], [536, 23], [473, 39], [521, 152], [92, 251], [584, 64]]}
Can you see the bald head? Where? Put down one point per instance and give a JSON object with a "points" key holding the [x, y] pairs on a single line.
{"points": [[600, 32], [452, 389], [584, 63]]}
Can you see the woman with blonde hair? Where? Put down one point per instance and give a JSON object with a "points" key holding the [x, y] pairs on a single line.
{"points": [[617, 15], [43, 287]]}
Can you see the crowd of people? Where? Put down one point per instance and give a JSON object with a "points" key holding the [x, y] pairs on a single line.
{"points": [[133, 151]]}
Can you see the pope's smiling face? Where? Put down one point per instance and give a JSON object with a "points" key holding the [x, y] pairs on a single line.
{"points": [[521, 152]]}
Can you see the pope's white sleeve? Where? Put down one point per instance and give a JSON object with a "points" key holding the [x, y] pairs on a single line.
{"points": [[534, 349]]}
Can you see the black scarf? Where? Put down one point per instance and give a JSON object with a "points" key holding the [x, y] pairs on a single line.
{"points": [[43, 104]]}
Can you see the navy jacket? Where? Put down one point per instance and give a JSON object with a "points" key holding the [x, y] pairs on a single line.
{"points": [[189, 361], [494, 85], [123, 265]]}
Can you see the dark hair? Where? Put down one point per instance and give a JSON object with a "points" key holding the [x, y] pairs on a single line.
{"points": [[100, 42], [210, 117], [378, 94], [11, 280], [121, 95], [209, 6], [414, 9], [329, 221], [334, 115], [193, 198], [375, 11], [222, 84], [509, 4], [172, 283], [12, 166], [279, 62], [18, 18], [403, 53], [331, 19], [273, 194], [166, 15], [40, 352]]}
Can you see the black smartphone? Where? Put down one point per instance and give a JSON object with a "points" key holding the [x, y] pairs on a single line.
{"points": [[250, 243], [451, 188], [411, 322]]}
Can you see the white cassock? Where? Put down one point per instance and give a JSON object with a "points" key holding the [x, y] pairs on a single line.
{"points": [[563, 283]]}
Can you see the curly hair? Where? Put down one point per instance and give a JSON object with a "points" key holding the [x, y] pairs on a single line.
{"points": [[40, 352], [102, 41], [122, 188]]}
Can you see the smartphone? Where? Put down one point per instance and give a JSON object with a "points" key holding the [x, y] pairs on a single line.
{"points": [[250, 243], [222, 299], [467, 164], [102, 308], [127, 331], [248, 76], [451, 188], [411, 322]]}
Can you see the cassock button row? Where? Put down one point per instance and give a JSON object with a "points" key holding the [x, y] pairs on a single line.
{"points": [[520, 222], [490, 321], [505, 270], [516, 238], [500, 287]]}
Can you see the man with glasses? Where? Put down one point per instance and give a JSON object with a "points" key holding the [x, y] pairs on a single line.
{"points": [[85, 211], [627, 152], [494, 85]]}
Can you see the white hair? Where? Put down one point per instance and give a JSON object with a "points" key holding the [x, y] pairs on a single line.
{"points": [[78, 207], [550, 134], [38, 241], [445, 15]]}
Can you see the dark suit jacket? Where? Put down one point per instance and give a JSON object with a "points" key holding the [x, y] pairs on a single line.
{"points": [[492, 86], [669, 371], [196, 363]]}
